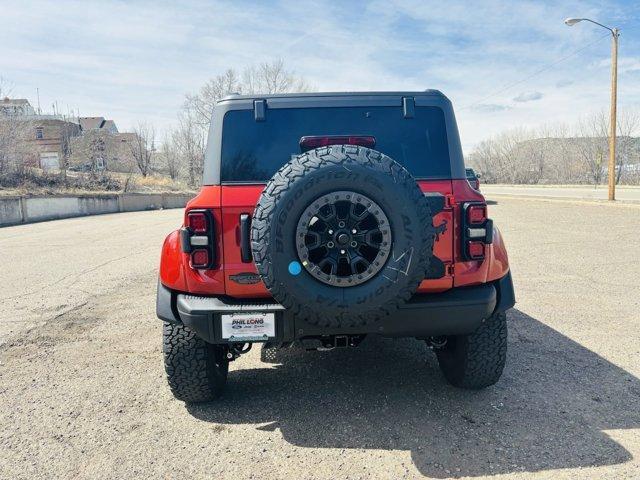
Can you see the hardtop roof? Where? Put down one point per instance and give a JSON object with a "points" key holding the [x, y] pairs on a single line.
{"points": [[423, 93]]}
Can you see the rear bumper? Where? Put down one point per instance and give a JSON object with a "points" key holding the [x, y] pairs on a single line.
{"points": [[455, 312]]}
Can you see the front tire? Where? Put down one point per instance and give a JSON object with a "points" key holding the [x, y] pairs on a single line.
{"points": [[476, 360], [196, 370]]}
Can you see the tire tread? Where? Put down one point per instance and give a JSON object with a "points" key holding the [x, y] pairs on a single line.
{"points": [[295, 171], [195, 370], [477, 360]]}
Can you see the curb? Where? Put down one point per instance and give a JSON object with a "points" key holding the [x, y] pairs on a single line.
{"points": [[17, 210]]}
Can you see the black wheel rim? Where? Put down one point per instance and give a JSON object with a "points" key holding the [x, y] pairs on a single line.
{"points": [[343, 238]]}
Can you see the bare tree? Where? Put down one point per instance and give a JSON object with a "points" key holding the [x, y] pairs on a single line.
{"points": [[627, 146], [541, 152], [560, 164], [183, 150], [97, 151], [67, 133], [190, 142], [5, 88], [549, 154], [509, 157], [15, 149], [266, 78], [89, 152], [142, 147], [526, 156], [272, 77], [170, 156], [592, 146], [200, 105]]}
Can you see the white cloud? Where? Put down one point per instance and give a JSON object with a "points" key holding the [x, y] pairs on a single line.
{"points": [[489, 108], [625, 64], [528, 97], [564, 83], [135, 61]]}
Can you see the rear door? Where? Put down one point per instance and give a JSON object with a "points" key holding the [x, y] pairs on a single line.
{"points": [[253, 150]]}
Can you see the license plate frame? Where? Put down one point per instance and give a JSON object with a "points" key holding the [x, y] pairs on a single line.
{"points": [[248, 326]]}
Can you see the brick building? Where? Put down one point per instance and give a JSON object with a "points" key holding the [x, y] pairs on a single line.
{"points": [[53, 141], [52, 138]]}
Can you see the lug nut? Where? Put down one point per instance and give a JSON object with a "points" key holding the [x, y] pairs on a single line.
{"points": [[354, 244], [330, 244]]}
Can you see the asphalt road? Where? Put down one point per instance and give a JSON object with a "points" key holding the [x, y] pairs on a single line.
{"points": [[584, 192], [83, 393]]}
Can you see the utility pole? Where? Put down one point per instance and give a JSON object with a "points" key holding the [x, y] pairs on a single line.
{"points": [[614, 104], [615, 33]]}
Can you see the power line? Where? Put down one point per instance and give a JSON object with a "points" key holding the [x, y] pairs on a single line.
{"points": [[537, 72]]}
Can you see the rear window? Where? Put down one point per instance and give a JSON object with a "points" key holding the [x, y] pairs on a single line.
{"points": [[253, 151]]}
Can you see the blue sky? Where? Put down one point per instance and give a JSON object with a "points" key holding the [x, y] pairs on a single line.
{"points": [[134, 61]]}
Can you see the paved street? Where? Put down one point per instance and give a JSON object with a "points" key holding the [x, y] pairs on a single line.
{"points": [[586, 192], [83, 393]]}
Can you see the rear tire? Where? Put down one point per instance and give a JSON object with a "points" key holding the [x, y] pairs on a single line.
{"points": [[476, 360], [196, 370]]}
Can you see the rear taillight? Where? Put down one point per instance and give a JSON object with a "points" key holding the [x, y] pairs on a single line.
{"points": [[476, 250], [309, 143], [197, 239], [477, 230], [476, 214], [199, 258], [197, 222]]}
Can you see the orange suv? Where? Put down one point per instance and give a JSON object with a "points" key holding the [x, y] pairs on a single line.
{"points": [[327, 217]]}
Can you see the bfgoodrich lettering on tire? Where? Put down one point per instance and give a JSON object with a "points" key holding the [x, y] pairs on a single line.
{"points": [[342, 235]]}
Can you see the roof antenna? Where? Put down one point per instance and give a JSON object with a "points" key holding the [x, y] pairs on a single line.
{"points": [[38, 95]]}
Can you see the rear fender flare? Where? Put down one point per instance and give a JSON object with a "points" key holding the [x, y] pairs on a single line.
{"points": [[172, 273], [506, 293]]}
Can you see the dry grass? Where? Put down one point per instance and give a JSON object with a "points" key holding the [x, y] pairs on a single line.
{"points": [[151, 183], [36, 182]]}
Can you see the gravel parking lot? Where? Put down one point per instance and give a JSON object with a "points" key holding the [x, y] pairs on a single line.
{"points": [[83, 393]]}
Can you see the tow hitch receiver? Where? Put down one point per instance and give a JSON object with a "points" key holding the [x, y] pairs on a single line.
{"points": [[329, 342]]}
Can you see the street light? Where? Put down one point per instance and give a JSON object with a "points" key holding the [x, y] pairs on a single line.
{"points": [[614, 99]]}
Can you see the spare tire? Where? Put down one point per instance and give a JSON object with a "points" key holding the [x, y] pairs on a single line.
{"points": [[342, 235]]}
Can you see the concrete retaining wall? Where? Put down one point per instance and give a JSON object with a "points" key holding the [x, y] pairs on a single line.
{"points": [[16, 210], [10, 211]]}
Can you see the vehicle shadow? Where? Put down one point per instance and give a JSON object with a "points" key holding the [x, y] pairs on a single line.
{"points": [[547, 412]]}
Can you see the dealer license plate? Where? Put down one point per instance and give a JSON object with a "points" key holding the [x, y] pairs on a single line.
{"points": [[248, 327]]}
